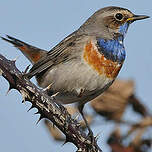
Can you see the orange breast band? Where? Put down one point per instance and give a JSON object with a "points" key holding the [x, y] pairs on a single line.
{"points": [[99, 63]]}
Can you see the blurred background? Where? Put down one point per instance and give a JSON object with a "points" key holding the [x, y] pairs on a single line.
{"points": [[46, 23]]}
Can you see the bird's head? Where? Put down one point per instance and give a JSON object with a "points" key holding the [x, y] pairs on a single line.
{"points": [[110, 22]]}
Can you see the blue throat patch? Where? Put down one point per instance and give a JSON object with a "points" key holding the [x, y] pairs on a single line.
{"points": [[114, 49]]}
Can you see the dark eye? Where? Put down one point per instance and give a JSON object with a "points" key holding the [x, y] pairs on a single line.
{"points": [[119, 16]]}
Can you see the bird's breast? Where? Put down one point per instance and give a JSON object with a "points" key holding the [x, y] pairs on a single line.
{"points": [[99, 62]]}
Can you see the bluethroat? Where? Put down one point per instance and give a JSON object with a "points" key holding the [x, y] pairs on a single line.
{"points": [[85, 63]]}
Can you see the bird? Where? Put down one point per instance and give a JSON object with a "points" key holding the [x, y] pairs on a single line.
{"points": [[85, 63]]}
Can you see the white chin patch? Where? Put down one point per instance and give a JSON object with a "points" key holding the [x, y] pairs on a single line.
{"points": [[120, 42]]}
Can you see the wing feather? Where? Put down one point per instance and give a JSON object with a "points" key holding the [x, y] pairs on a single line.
{"points": [[59, 54]]}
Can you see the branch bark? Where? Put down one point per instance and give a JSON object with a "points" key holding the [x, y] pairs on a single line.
{"points": [[47, 108]]}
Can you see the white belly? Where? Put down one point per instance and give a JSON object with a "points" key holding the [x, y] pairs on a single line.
{"points": [[75, 82]]}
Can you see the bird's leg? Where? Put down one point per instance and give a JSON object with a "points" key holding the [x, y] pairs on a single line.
{"points": [[80, 108]]}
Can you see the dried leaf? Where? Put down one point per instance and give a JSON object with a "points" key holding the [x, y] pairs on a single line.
{"points": [[112, 103]]}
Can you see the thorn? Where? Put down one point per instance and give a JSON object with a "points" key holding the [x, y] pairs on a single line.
{"points": [[54, 95], [14, 60], [9, 89], [11, 86], [76, 118], [53, 125], [36, 113], [48, 87], [78, 125], [97, 136], [25, 96], [23, 101], [27, 68], [40, 118], [38, 121], [79, 150], [1, 72], [66, 141], [30, 108]]}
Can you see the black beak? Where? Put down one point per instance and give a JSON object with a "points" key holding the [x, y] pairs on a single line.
{"points": [[137, 17]]}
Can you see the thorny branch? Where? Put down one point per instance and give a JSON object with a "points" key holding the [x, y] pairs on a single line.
{"points": [[47, 108]]}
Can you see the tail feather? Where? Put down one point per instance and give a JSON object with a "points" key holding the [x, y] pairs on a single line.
{"points": [[34, 54], [15, 42]]}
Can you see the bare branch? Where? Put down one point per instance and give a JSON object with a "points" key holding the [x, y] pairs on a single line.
{"points": [[47, 108]]}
